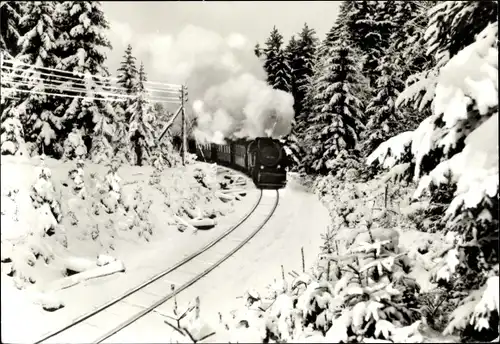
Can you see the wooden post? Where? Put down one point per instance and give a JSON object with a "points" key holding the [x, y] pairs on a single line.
{"points": [[184, 141], [303, 260], [169, 123]]}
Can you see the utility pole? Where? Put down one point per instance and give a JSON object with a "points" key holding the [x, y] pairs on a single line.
{"points": [[183, 113]]}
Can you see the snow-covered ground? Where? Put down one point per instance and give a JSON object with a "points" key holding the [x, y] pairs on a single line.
{"points": [[40, 260], [298, 222]]}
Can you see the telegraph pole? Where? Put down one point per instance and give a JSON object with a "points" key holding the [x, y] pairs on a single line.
{"points": [[183, 114]]}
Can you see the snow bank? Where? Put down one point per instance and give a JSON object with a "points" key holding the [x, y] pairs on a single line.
{"points": [[55, 235]]}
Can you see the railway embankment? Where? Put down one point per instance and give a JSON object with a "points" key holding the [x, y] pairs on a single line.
{"points": [[75, 236]]}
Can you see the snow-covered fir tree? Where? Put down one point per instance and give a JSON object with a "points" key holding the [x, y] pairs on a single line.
{"points": [[38, 48], [74, 146], [369, 24], [337, 118], [103, 135], [81, 47], [453, 26], [10, 30], [293, 59], [404, 56], [121, 143], [44, 199], [384, 119], [457, 147], [141, 127], [301, 55], [127, 73], [407, 41], [302, 66], [275, 62], [12, 132], [449, 30], [127, 78]]}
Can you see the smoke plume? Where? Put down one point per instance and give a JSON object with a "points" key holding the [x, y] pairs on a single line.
{"points": [[227, 94]]}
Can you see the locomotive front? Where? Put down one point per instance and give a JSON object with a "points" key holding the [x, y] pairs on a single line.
{"points": [[267, 160]]}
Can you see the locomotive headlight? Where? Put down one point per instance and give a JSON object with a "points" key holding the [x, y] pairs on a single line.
{"points": [[261, 167], [279, 166]]}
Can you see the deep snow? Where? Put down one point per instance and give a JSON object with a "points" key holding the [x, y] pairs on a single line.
{"points": [[40, 260]]}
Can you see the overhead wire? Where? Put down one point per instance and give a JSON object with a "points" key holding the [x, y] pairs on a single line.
{"points": [[80, 97], [19, 63], [166, 93], [75, 81], [49, 85]]}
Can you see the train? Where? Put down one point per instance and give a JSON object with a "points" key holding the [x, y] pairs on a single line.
{"points": [[262, 159]]}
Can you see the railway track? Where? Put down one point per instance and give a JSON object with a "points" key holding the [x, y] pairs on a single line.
{"points": [[113, 317]]}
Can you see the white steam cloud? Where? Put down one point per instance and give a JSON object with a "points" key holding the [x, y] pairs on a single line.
{"points": [[228, 97]]}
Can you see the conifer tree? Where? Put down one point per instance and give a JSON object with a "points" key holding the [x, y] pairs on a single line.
{"points": [[12, 132], [10, 30], [81, 47], [449, 30], [38, 48], [275, 62], [303, 66], [407, 42], [369, 25], [384, 119], [142, 122], [454, 25], [104, 131], [121, 143], [336, 121], [293, 59], [128, 73]]}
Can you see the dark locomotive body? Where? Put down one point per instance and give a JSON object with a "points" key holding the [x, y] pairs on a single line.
{"points": [[263, 159]]}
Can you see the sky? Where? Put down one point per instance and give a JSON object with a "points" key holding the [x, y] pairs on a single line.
{"points": [[209, 47], [149, 25]]}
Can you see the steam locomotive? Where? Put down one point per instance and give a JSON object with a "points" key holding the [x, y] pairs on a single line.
{"points": [[263, 159]]}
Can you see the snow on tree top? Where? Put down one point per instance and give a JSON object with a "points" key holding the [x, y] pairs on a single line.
{"points": [[475, 169], [396, 144], [476, 79]]}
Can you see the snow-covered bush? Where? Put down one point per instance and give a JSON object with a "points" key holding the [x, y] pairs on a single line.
{"points": [[74, 146], [458, 145], [111, 189], [44, 200], [103, 134], [77, 176], [362, 295], [347, 166], [12, 139]]}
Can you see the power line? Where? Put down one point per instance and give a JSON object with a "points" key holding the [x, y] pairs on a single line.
{"points": [[19, 63], [50, 85], [77, 81], [80, 97]]}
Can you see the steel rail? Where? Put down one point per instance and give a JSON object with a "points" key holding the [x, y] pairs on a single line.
{"points": [[158, 303]]}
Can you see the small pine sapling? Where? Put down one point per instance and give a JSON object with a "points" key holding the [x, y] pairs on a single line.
{"points": [[381, 300], [43, 198], [12, 134], [193, 329], [74, 146], [112, 190], [77, 175]]}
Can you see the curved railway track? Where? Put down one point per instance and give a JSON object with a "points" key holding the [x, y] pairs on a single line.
{"points": [[115, 314]]}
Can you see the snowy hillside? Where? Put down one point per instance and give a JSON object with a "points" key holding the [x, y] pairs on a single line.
{"points": [[62, 220]]}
